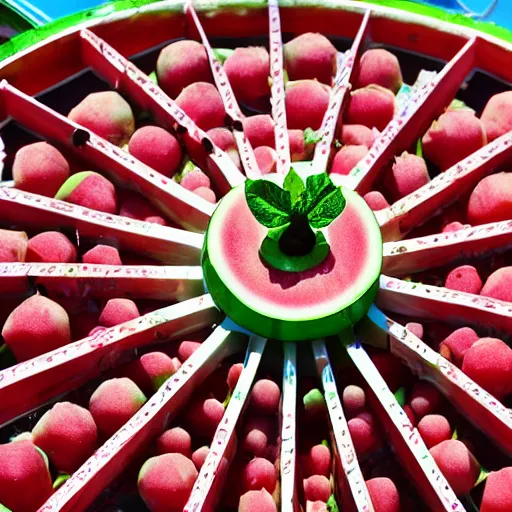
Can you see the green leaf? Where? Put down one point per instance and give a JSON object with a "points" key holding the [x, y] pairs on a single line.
{"points": [[60, 480], [3, 508], [270, 204], [400, 396], [331, 504], [221, 54], [294, 184], [152, 76], [272, 254], [318, 186], [311, 136], [419, 148], [482, 476], [327, 209]]}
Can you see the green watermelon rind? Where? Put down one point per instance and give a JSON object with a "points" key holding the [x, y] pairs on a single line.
{"points": [[287, 326]]}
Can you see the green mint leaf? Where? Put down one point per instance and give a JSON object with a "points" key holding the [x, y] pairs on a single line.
{"points": [[332, 506], [3, 508], [318, 186], [311, 136], [270, 204], [419, 148], [153, 77], [327, 209], [400, 396], [294, 184], [222, 54], [60, 480], [272, 254]]}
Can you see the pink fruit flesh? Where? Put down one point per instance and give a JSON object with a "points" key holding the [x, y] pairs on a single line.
{"points": [[259, 130], [175, 440], [424, 399], [203, 417], [384, 495], [67, 434], [464, 279], [181, 64], [416, 329], [497, 495], [13, 246], [378, 66], [371, 106], [165, 482], [102, 255], [489, 363], [265, 397], [409, 173], [134, 206], [310, 56], [434, 429], [499, 285], [206, 193], [40, 168], [38, 325], [259, 474], [95, 192], [357, 135], [317, 488], [257, 501], [491, 200], [118, 311], [186, 349], [375, 200], [354, 400], [410, 415], [50, 247], [113, 403], [266, 158], [457, 464], [453, 137], [234, 374], [347, 158], [25, 482], [299, 150], [249, 66], [203, 104], [150, 371], [365, 438], [157, 148], [199, 456], [497, 115], [453, 226], [306, 103], [455, 346], [107, 114], [317, 461], [195, 179]]}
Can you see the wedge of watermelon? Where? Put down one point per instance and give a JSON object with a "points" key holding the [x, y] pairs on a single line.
{"points": [[292, 306]]}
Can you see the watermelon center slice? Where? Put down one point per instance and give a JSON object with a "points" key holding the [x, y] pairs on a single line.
{"points": [[317, 302]]}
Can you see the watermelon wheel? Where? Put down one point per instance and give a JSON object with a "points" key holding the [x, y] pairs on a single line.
{"points": [[376, 372]]}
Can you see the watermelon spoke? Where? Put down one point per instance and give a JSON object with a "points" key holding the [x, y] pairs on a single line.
{"points": [[228, 98], [289, 429], [102, 281], [179, 204], [413, 120], [416, 208], [121, 73], [347, 65], [277, 90], [108, 461], [352, 480], [403, 257], [166, 244], [405, 438], [29, 384], [203, 495], [481, 408], [437, 303]]}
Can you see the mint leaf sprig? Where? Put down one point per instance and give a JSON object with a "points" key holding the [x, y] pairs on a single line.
{"points": [[294, 214]]}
